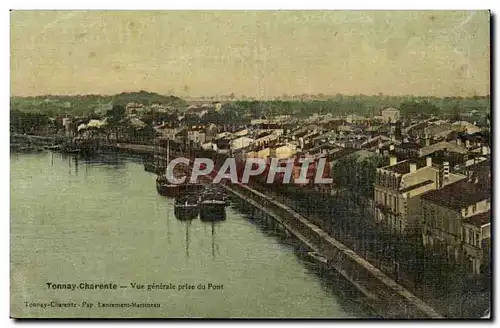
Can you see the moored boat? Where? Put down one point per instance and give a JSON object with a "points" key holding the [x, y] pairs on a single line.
{"points": [[25, 149], [72, 151], [166, 188], [317, 257], [164, 185], [212, 204], [186, 207], [70, 148], [53, 147]]}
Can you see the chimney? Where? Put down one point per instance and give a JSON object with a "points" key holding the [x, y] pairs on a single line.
{"points": [[484, 150], [467, 143], [459, 141], [391, 147], [393, 160], [428, 161], [413, 167], [427, 141], [446, 171], [439, 178]]}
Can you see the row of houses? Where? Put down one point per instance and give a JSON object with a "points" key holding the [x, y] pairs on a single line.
{"points": [[443, 193]]}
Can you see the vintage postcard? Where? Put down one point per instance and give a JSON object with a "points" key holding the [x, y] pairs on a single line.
{"points": [[250, 164]]}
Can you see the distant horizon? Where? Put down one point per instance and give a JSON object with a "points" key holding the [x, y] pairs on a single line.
{"points": [[239, 97], [259, 54]]}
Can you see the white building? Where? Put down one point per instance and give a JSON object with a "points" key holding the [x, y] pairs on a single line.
{"points": [[241, 142]]}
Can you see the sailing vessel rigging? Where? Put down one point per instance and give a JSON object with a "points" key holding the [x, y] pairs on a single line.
{"points": [[163, 185]]}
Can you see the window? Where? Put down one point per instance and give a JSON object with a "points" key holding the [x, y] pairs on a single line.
{"points": [[464, 235], [466, 211], [471, 235], [385, 199], [478, 240]]}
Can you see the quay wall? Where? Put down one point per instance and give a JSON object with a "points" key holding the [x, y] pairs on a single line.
{"points": [[133, 148], [383, 294]]}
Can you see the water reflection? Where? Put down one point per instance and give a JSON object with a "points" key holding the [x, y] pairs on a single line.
{"points": [[188, 224]]}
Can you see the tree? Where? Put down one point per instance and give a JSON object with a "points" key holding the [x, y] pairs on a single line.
{"points": [[412, 109], [357, 176], [191, 119], [114, 117], [397, 132], [21, 122], [115, 114], [455, 116]]}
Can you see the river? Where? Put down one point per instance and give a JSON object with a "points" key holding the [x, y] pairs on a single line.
{"points": [[102, 221]]}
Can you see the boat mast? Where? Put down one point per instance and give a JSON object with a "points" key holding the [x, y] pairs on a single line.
{"points": [[168, 150], [168, 154]]}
